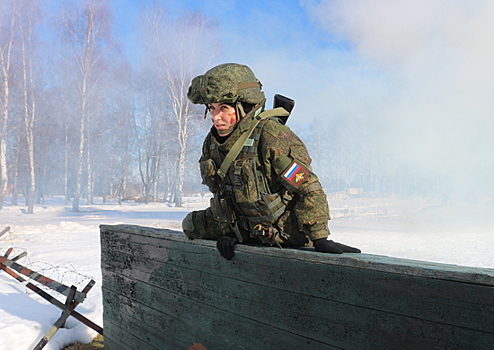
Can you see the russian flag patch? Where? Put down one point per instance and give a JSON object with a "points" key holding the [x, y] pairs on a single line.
{"points": [[296, 174]]}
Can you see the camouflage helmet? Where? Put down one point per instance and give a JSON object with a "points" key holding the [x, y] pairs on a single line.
{"points": [[227, 83]]}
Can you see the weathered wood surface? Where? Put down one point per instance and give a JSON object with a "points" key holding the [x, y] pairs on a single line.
{"points": [[163, 291]]}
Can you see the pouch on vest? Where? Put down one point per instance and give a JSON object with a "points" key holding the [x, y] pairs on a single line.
{"points": [[245, 183], [252, 198], [222, 209], [208, 174]]}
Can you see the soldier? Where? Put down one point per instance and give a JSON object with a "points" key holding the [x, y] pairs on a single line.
{"points": [[257, 169]]}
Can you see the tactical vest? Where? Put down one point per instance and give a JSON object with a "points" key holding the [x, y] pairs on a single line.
{"points": [[243, 196]]}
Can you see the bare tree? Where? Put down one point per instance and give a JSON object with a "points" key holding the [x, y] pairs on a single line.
{"points": [[87, 37], [149, 128], [181, 49], [29, 101], [122, 141], [9, 15]]}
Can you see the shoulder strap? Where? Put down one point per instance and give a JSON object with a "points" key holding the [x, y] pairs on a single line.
{"points": [[237, 147]]}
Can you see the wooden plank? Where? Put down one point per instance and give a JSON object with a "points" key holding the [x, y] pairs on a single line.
{"points": [[110, 344], [195, 321], [294, 296], [435, 300], [162, 330], [409, 267], [4, 231], [148, 329], [239, 294], [118, 337]]}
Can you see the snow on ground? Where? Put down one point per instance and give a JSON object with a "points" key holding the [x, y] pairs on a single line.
{"points": [[64, 246]]}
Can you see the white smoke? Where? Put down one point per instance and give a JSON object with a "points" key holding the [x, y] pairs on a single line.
{"points": [[438, 58]]}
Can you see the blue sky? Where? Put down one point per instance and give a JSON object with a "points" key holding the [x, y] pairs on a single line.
{"points": [[260, 26]]}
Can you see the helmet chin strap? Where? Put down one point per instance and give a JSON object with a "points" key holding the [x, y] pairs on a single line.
{"points": [[239, 110]]}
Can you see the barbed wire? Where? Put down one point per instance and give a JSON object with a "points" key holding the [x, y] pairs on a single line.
{"points": [[64, 273]]}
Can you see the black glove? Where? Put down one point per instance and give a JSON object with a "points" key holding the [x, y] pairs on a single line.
{"points": [[225, 245], [325, 246]]}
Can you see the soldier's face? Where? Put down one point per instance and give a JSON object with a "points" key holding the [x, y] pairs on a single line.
{"points": [[224, 117]]}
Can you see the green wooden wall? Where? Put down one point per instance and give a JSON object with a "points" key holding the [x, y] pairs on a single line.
{"points": [[163, 291]]}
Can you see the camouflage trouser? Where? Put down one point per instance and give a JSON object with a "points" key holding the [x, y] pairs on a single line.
{"points": [[205, 225]]}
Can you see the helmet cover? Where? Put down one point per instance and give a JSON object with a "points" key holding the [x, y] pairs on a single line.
{"points": [[226, 83]]}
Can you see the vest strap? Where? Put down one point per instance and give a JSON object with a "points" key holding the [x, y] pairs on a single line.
{"points": [[261, 219], [237, 147]]}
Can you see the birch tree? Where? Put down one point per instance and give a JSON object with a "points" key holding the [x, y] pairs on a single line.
{"points": [[180, 49], [148, 111], [123, 141], [9, 15], [29, 113], [86, 35]]}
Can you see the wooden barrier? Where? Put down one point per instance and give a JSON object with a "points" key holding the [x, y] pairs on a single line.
{"points": [[163, 291]]}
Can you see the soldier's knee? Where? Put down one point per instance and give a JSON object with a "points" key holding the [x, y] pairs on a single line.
{"points": [[194, 224]]}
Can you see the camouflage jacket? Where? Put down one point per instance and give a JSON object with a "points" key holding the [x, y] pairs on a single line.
{"points": [[281, 165]]}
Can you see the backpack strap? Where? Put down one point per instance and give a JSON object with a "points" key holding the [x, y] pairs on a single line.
{"points": [[237, 147]]}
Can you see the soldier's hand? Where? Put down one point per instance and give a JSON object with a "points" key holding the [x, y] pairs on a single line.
{"points": [[325, 246], [225, 245]]}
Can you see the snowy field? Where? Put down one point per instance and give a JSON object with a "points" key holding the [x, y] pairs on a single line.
{"points": [[65, 247]]}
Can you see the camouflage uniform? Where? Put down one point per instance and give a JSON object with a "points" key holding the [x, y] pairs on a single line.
{"points": [[278, 167]]}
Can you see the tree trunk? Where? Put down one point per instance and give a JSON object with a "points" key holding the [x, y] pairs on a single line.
{"points": [[180, 176], [66, 165], [3, 138], [31, 184], [29, 114], [80, 168], [15, 184], [90, 187], [5, 60]]}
